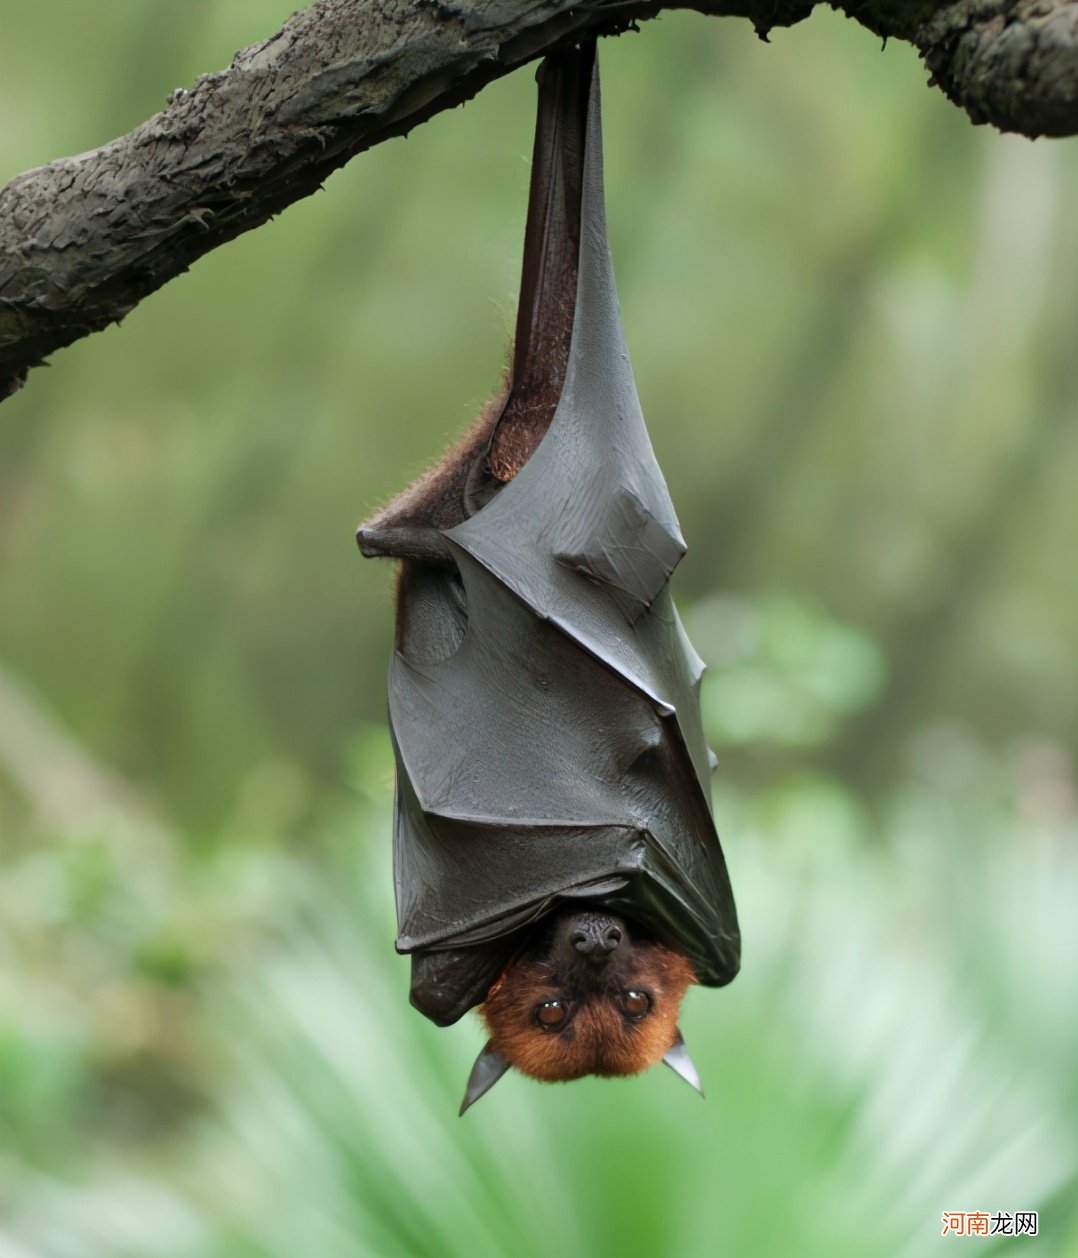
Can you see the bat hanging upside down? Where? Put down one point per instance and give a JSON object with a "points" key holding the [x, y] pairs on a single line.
{"points": [[555, 857]]}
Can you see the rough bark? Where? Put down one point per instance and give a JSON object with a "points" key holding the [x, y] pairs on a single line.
{"points": [[85, 238]]}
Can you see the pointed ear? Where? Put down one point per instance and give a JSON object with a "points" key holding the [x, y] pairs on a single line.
{"points": [[679, 1061], [489, 1067]]}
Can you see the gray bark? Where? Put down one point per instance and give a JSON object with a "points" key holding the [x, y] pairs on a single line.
{"points": [[85, 238]]}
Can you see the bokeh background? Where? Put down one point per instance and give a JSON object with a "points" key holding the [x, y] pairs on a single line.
{"points": [[852, 317]]}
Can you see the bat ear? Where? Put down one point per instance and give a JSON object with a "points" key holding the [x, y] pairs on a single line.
{"points": [[489, 1067], [679, 1061]]}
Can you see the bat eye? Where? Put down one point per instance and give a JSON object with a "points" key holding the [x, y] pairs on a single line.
{"points": [[551, 1014], [636, 1004]]}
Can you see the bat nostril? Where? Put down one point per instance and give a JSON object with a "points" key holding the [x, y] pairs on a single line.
{"points": [[596, 940]]}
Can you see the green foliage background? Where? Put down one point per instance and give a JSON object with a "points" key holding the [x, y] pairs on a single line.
{"points": [[852, 318]]}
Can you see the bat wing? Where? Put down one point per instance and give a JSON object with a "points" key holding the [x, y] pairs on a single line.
{"points": [[530, 772], [586, 534]]}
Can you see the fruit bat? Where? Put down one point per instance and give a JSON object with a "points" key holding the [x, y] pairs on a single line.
{"points": [[555, 857]]}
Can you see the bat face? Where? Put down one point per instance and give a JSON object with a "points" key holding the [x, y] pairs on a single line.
{"points": [[590, 995]]}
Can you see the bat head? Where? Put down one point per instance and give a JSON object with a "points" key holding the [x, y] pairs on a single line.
{"points": [[590, 994]]}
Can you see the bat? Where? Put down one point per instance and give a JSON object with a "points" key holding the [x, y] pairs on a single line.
{"points": [[555, 856]]}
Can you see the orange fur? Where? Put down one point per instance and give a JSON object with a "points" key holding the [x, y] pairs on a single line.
{"points": [[598, 1038]]}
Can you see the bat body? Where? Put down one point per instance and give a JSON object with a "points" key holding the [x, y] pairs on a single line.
{"points": [[543, 696]]}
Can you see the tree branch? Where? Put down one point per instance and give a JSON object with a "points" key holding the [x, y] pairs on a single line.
{"points": [[85, 238], [1011, 64]]}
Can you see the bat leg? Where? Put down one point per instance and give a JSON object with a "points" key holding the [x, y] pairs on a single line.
{"points": [[548, 277], [510, 427]]}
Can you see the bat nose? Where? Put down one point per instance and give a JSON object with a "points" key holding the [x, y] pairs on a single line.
{"points": [[596, 940]]}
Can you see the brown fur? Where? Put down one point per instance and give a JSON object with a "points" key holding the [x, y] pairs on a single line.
{"points": [[598, 1038], [501, 439], [517, 436], [439, 497]]}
